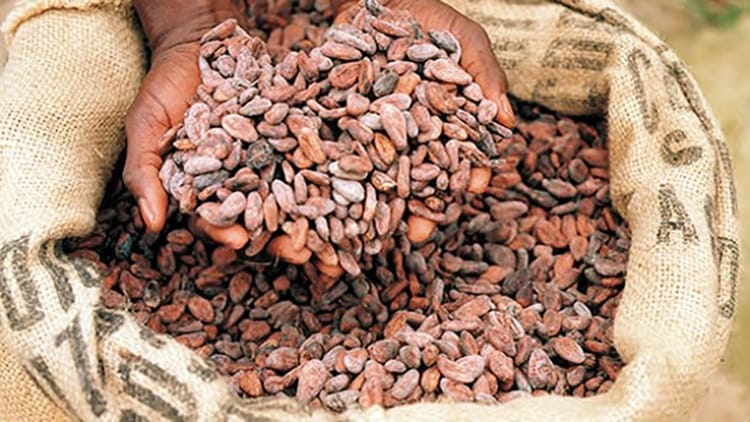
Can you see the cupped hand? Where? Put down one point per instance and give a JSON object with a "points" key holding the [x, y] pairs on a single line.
{"points": [[173, 29], [477, 58]]}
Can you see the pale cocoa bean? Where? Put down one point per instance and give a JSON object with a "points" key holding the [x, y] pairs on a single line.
{"points": [[340, 51], [474, 308], [239, 127], [278, 93], [405, 385], [201, 164], [473, 92], [312, 377], [284, 195], [486, 111], [365, 45], [234, 205], [395, 366], [256, 107], [392, 27], [337, 383], [383, 350], [253, 216], [212, 213], [448, 71], [398, 100], [395, 125], [501, 366], [196, 121], [397, 50], [354, 360], [410, 355], [455, 391], [352, 191], [540, 372], [464, 370], [569, 350], [282, 359]]}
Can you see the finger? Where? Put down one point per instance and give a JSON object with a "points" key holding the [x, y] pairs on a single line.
{"points": [[234, 236], [161, 102], [484, 67], [142, 163]]}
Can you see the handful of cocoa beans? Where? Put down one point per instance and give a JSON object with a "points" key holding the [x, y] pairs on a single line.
{"points": [[322, 155]]}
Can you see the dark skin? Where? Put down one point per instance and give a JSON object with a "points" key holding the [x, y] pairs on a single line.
{"points": [[173, 29]]}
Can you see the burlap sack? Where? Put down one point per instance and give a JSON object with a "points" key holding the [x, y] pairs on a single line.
{"points": [[71, 76]]}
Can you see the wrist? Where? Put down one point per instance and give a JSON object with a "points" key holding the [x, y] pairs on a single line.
{"points": [[170, 23]]}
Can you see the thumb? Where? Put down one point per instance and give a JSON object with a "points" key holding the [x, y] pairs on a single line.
{"points": [[143, 161], [161, 103]]}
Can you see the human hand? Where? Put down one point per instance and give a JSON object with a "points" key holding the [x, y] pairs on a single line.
{"points": [[477, 59], [174, 74], [173, 29]]}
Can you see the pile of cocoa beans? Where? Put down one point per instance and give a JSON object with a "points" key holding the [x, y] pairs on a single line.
{"points": [[515, 298], [489, 269]]}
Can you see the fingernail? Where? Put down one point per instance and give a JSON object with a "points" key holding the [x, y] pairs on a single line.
{"points": [[507, 111], [146, 212]]}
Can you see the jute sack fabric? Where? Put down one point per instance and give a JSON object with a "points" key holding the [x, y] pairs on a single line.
{"points": [[75, 66], [59, 134]]}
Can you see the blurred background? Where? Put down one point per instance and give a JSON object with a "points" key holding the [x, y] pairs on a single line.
{"points": [[713, 38]]}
